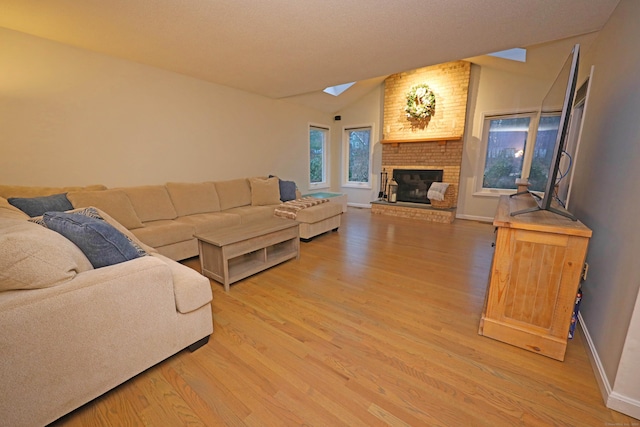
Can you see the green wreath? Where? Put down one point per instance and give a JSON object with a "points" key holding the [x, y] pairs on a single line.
{"points": [[421, 102]]}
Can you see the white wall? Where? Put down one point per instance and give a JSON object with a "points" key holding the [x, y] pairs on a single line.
{"points": [[605, 197], [498, 86], [366, 111], [73, 117], [492, 91]]}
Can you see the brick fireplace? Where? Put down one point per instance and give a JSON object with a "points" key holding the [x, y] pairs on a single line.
{"points": [[433, 144]]}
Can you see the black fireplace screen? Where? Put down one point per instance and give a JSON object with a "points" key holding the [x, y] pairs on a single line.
{"points": [[413, 184]]}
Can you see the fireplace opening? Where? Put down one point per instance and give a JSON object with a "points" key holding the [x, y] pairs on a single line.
{"points": [[413, 184]]}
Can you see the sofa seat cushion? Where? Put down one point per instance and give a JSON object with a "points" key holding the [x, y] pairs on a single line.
{"points": [[114, 202], [33, 257], [191, 289], [164, 232], [151, 202], [193, 198], [204, 223], [319, 212], [253, 213], [233, 193]]}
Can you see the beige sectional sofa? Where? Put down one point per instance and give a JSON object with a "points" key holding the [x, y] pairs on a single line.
{"points": [[166, 217], [71, 332]]}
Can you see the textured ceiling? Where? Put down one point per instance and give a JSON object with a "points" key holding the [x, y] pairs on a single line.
{"points": [[283, 48]]}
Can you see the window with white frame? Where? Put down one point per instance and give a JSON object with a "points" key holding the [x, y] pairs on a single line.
{"points": [[318, 156], [543, 151], [357, 157], [513, 149]]}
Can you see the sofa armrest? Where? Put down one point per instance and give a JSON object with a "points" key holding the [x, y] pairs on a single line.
{"points": [[192, 290], [90, 279], [65, 345]]}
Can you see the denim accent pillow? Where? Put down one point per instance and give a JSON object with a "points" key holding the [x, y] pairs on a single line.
{"points": [[36, 206], [101, 243], [93, 213]]}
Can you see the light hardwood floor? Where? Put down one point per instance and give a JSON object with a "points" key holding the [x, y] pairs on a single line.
{"points": [[374, 325]]}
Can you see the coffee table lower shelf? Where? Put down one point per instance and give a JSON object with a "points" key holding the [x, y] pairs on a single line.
{"points": [[229, 257]]}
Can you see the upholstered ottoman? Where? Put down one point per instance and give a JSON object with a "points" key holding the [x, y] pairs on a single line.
{"points": [[339, 198], [319, 219]]}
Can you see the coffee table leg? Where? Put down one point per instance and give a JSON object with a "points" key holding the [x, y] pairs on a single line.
{"points": [[225, 269]]}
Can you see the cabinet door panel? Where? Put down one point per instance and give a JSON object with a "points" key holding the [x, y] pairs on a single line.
{"points": [[534, 283]]}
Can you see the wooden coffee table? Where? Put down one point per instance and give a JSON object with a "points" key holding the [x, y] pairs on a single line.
{"points": [[236, 252]]}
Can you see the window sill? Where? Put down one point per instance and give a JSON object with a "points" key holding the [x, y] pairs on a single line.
{"points": [[322, 186], [359, 186], [493, 193]]}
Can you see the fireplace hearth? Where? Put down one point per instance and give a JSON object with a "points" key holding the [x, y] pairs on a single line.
{"points": [[413, 184]]}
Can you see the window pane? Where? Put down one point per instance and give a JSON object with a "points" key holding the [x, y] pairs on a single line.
{"points": [[506, 143], [317, 140], [543, 152], [359, 155]]}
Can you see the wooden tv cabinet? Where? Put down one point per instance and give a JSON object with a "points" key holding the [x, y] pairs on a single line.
{"points": [[535, 274]]}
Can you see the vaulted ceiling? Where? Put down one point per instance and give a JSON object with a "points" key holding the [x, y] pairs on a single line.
{"points": [[285, 48]]}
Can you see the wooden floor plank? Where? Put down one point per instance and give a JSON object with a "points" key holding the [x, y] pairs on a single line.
{"points": [[374, 325]]}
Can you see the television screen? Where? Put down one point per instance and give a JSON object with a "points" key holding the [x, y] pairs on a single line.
{"points": [[555, 112]]}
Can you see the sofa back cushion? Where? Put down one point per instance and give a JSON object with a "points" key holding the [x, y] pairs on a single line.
{"points": [[193, 198], [234, 193], [114, 202], [151, 202], [33, 257], [7, 191]]}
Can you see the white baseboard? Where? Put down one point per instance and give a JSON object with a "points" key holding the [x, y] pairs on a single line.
{"points": [[596, 364], [475, 218], [359, 205], [624, 404], [612, 399]]}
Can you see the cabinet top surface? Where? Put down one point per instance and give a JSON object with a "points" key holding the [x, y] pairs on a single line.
{"points": [[536, 221]]}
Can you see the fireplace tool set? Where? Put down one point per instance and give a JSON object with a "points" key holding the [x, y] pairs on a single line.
{"points": [[388, 189]]}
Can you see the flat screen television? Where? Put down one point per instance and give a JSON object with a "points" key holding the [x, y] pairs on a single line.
{"points": [[545, 163]]}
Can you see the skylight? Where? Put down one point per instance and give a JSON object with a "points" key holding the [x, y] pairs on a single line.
{"points": [[516, 54], [338, 89]]}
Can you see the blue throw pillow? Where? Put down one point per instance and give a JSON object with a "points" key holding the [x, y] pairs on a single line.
{"points": [[101, 243], [287, 190], [36, 206]]}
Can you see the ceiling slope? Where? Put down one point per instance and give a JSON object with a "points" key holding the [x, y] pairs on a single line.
{"points": [[283, 48]]}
